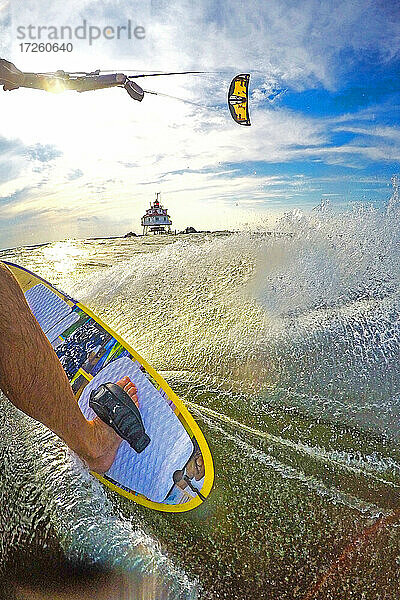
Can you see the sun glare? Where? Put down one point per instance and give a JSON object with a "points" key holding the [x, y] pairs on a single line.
{"points": [[56, 86], [63, 255]]}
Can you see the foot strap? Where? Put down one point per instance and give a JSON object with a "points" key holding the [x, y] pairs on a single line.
{"points": [[115, 407]]}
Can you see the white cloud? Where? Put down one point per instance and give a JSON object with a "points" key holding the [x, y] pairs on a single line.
{"points": [[391, 134]]}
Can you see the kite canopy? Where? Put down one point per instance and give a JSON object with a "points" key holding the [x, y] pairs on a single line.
{"points": [[238, 99]]}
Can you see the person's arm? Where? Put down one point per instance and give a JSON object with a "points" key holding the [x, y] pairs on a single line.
{"points": [[32, 378]]}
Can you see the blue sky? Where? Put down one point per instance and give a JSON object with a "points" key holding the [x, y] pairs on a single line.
{"points": [[324, 110]]}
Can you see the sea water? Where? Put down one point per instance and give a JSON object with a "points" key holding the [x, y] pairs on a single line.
{"points": [[284, 345]]}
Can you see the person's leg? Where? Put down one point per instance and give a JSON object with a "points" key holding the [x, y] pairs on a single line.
{"points": [[32, 378]]}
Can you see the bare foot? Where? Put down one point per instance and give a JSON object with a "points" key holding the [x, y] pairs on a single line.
{"points": [[129, 388], [105, 440]]}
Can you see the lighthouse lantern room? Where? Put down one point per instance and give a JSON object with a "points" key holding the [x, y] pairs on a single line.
{"points": [[156, 219]]}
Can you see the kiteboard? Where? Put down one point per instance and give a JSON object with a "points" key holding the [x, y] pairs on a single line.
{"points": [[174, 472]]}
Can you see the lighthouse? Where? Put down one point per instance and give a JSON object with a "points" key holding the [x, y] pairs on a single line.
{"points": [[156, 219]]}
